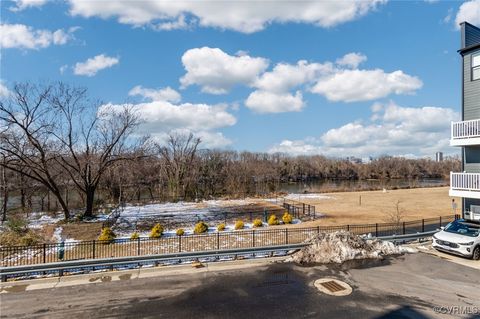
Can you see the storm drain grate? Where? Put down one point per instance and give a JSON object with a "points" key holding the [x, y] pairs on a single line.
{"points": [[333, 286]]}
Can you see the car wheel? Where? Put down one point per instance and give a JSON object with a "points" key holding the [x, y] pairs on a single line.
{"points": [[476, 253]]}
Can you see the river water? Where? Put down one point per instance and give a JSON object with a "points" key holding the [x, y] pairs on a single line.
{"points": [[320, 186]]}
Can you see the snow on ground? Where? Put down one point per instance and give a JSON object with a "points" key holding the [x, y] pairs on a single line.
{"points": [[57, 236], [300, 197], [183, 214], [37, 220], [340, 246]]}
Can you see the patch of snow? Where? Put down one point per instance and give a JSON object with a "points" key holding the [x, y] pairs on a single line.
{"points": [[408, 250], [340, 246], [39, 219], [300, 197]]}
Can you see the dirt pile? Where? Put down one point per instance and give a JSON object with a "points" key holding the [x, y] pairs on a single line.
{"points": [[341, 246]]}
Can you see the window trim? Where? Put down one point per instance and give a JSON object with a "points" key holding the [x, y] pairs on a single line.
{"points": [[472, 68]]}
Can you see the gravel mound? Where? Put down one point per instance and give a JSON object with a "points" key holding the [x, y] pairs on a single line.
{"points": [[341, 246]]}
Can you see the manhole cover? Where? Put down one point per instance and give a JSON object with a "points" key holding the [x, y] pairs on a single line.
{"points": [[333, 287]]}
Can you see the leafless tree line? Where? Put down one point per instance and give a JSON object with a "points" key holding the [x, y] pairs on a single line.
{"points": [[54, 139]]}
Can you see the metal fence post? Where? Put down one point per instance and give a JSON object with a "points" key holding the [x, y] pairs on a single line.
{"points": [[423, 225], [318, 230], [179, 244], [93, 257], [376, 230], [286, 236], [44, 253], [218, 241], [440, 221], [253, 238], [404, 228], [138, 246]]}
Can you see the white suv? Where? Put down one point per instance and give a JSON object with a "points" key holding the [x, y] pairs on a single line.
{"points": [[460, 237]]}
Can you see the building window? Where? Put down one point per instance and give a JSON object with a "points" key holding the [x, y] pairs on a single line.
{"points": [[476, 66]]}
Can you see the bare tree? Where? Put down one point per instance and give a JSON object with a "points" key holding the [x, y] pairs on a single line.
{"points": [[178, 155], [57, 136], [4, 187], [396, 215]]}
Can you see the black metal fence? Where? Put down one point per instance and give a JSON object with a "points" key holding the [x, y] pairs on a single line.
{"points": [[275, 235], [298, 209]]}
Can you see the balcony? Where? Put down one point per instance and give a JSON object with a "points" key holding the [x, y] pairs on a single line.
{"points": [[465, 185], [465, 133]]}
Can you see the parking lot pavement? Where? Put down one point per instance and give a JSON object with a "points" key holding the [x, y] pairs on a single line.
{"points": [[409, 286], [426, 247]]}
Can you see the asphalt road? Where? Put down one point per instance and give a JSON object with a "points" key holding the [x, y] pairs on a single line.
{"points": [[408, 286]]}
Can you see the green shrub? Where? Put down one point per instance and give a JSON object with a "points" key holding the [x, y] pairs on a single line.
{"points": [[287, 218], [221, 227], [180, 232], [157, 231], [257, 223], [135, 236], [239, 225], [200, 227], [273, 220], [107, 236]]}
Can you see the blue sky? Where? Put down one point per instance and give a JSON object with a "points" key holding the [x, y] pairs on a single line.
{"points": [[375, 77]]}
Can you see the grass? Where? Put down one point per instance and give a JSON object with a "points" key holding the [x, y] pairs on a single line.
{"points": [[345, 208]]}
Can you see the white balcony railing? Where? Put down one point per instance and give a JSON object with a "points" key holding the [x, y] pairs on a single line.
{"points": [[465, 129], [465, 182]]}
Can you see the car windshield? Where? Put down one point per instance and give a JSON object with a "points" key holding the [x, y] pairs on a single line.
{"points": [[463, 228]]}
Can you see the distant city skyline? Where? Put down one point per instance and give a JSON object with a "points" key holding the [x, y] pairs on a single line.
{"points": [[339, 79]]}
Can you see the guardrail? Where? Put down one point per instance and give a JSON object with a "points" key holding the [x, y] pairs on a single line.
{"points": [[110, 263], [60, 267], [405, 238]]}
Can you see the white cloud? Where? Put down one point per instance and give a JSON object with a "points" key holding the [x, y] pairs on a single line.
{"points": [[242, 16], [95, 64], [272, 102], [159, 118], [448, 17], [273, 88], [63, 68], [285, 76], [4, 91], [364, 85], [217, 72], [469, 11], [296, 148], [25, 4], [165, 94], [396, 130], [179, 23], [24, 37], [352, 60]]}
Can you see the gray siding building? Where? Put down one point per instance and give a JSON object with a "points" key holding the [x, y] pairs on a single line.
{"points": [[466, 133]]}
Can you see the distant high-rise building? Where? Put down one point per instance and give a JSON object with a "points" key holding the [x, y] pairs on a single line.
{"points": [[439, 156]]}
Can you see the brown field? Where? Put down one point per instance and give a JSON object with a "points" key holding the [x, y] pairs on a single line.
{"points": [[418, 203]]}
